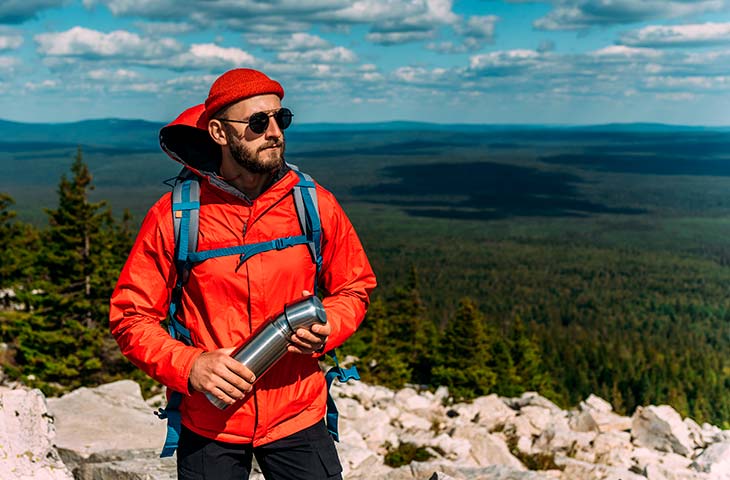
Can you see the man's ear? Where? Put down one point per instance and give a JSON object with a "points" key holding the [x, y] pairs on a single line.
{"points": [[217, 132]]}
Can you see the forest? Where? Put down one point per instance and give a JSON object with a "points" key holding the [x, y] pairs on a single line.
{"points": [[543, 267]]}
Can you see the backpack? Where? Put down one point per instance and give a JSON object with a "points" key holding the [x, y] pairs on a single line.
{"points": [[186, 215]]}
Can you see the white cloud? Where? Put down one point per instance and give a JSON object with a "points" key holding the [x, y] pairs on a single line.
{"points": [[7, 64], [164, 28], [480, 27], [330, 55], [678, 35], [118, 75], [503, 63], [295, 42], [584, 14], [623, 51], [42, 85], [83, 42], [395, 38], [18, 11], [209, 56], [10, 41]]}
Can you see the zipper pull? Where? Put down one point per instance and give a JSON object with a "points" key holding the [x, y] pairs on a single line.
{"points": [[245, 228]]}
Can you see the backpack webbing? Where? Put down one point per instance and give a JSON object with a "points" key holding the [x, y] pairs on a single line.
{"points": [[186, 215]]}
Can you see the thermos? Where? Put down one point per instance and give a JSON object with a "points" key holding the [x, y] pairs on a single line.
{"points": [[262, 351]]}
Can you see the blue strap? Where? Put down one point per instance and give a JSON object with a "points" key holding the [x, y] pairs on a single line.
{"points": [[247, 251], [172, 413], [343, 375]]}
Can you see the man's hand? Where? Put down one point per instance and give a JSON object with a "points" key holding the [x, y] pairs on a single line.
{"points": [[309, 341], [219, 374]]}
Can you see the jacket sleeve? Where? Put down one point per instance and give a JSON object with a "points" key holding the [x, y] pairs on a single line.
{"points": [[346, 277], [140, 303]]}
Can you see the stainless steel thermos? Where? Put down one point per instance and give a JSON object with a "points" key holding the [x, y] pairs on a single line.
{"points": [[263, 350]]}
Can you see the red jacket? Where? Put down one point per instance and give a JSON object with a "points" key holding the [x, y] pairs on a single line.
{"points": [[223, 306]]}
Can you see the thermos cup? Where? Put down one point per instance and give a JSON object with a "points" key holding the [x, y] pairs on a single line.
{"points": [[262, 351]]}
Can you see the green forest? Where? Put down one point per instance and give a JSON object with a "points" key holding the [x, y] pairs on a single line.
{"points": [[466, 299]]}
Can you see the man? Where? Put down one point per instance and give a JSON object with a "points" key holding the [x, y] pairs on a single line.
{"points": [[235, 144]]}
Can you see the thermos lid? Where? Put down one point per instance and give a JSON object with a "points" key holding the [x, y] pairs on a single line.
{"points": [[305, 313]]}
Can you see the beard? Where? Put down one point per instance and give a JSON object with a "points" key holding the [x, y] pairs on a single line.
{"points": [[251, 160]]}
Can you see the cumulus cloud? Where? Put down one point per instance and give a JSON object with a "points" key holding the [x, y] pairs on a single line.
{"points": [[659, 36], [504, 63], [294, 42], [396, 38], [164, 28], [476, 31], [331, 55], [10, 41], [80, 43], [108, 75], [18, 11], [584, 14], [87, 43]]}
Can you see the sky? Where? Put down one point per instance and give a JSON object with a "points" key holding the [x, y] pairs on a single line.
{"points": [[564, 62]]}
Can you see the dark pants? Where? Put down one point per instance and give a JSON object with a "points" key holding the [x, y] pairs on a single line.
{"points": [[306, 455]]}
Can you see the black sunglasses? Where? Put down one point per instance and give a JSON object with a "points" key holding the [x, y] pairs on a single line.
{"points": [[259, 121]]}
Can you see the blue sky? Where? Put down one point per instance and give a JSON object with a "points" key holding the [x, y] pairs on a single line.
{"points": [[444, 61]]}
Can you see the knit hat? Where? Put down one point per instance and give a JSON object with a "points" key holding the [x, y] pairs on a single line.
{"points": [[235, 85]]}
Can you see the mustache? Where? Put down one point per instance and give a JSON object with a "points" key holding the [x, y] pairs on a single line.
{"points": [[270, 145]]}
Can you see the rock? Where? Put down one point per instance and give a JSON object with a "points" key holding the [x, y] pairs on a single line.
{"points": [[578, 470], [661, 428], [613, 448], [26, 434], [532, 399], [409, 400], [644, 460], [595, 403], [583, 422], [487, 448], [107, 423], [148, 468], [715, 459], [490, 411]]}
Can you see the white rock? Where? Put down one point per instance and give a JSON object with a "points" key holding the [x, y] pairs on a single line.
{"points": [[613, 448], [715, 459], [408, 399], [595, 403], [661, 428], [533, 399], [541, 417], [695, 433], [112, 417], [410, 422], [26, 433], [487, 448], [454, 448], [578, 470]]}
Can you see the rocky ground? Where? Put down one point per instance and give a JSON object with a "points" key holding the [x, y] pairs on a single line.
{"points": [[110, 433]]}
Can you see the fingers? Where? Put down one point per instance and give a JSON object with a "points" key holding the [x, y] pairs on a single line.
{"points": [[309, 341], [220, 375]]}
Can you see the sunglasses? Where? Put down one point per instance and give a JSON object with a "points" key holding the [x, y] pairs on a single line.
{"points": [[259, 121]]}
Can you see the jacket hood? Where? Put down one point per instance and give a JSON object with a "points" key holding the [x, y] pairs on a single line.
{"points": [[184, 142]]}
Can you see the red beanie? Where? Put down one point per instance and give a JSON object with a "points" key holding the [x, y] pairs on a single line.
{"points": [[235, 85]]}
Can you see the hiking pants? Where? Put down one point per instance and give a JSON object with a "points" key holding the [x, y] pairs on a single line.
{"points": [[306, 455]]}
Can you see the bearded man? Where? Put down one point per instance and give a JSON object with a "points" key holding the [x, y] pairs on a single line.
{"points": [[234, 145]]}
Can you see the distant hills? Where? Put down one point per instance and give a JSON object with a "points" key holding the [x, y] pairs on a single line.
{"points": [[143, 135]]}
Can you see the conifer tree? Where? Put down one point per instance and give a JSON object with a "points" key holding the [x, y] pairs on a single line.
{"points": [[63, 341], [465, 355]]}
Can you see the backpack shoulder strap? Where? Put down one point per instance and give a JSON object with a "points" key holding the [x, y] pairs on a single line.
{"points": [[186, 222], [307, 206]]}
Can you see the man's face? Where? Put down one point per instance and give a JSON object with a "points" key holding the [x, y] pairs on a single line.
{"points": [[256, 152]]}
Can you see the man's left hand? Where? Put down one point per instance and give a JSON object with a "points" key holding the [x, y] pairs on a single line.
{"points": [[310, 341]]}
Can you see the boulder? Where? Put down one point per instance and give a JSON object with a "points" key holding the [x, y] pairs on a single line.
{"points": [[110, 423], [715, 459], [26, 435], [487, 448], [661, 428], [532, 399], [490, 411], [613, 448], [594, 403]]}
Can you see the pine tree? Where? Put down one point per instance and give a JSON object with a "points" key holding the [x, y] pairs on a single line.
{"points": [[65, 339], [465, 355]]}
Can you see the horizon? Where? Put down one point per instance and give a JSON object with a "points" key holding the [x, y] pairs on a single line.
{"points": [[471, 62], [375, 122]]}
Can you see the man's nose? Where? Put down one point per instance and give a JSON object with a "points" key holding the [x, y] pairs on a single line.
{"points": [[272, 129]]}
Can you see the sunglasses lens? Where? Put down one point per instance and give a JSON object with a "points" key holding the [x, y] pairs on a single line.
{"points": [[283, 118], [258, 122]]}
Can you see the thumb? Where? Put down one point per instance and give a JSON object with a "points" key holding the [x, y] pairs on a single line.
{"points": [[306, 293], [227, 350]]}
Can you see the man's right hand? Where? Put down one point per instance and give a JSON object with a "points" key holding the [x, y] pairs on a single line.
{"points": [[219, 374]]}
